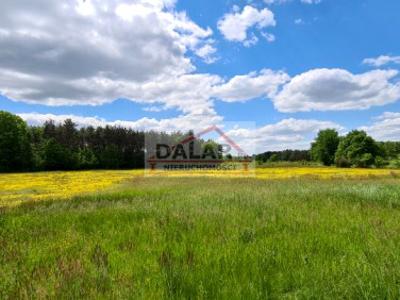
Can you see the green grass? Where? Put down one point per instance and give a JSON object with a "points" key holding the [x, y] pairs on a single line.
{"points": [[207, 238]]}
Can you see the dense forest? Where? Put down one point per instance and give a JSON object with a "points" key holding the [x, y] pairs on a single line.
{"points": [[285, 155], [67, 147]]}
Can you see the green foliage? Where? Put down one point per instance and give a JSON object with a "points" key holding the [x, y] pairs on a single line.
{"points": [[58, 157], [274, 158], [395, 162], [389, 150], [15, 149], [229, 156], [343, 162], [324, 147], [284, 156], [64, 147], [211, 149], [358, 148], [37, 142], [380, 162], [208, 238], [111, 157], [87, 159], [287, 164]]}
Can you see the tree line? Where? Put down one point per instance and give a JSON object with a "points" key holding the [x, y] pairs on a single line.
{"points": [[285, 155], [355, 149], [66, 147]]}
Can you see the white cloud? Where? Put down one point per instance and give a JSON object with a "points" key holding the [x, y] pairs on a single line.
{"points": [[286, 1], [153, 108], [382, 60], [235, 26], [188, 93], [37, 119], [268, 36], [93, 52], [181, 123], [319, 89], [207, 53], [385, 128], [246, 87], [251, 41], [286, 134], [192, 93], [311, 1], [299, 21], [47, 53], [337, 89]]}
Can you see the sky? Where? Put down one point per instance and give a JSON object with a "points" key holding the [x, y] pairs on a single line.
{"points": [[272, 73]]}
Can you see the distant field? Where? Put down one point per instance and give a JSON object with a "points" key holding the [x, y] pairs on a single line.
{"points": [[305, 233], [25, 187]]}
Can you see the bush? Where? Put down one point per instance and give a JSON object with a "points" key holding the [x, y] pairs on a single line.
{"points": [[364, 161], [395, 163], [343, 162], [380, 162], [274, 158]]}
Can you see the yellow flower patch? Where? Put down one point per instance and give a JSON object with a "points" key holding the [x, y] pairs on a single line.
{"points": [[22, 187]]}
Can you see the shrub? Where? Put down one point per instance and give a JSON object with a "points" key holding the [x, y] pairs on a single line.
{"points": [[343, 162], [380, 162]]}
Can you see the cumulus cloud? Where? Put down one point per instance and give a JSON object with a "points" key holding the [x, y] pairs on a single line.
{"points": [[318, 89], [49, 48], [192, 94], [337, 89], [386, 127], [189, 93], [94, 51], [286, 134], [382, 60], [180, 123], [207, 53], [255, 84], [235, 26]]}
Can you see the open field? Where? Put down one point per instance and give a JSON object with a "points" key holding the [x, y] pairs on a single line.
{"points": [[25, 187], [304, 233]]}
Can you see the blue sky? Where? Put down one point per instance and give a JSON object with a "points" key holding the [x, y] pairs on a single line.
{"points": [[292, 67]]}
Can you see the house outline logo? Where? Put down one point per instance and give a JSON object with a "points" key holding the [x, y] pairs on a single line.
{"points": [[246, 160]]}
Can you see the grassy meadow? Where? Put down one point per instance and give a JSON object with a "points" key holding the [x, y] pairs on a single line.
{"points": [[294, 233]]}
